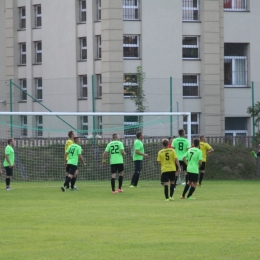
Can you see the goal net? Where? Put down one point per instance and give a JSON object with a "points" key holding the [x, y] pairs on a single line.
{"points": [[40, 138]]}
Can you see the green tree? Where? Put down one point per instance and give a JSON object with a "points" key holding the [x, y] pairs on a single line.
{"points": [[255, 111]]}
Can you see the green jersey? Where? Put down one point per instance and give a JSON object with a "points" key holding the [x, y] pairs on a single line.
{"points": [[138, 145], [115, 148], [74, 151], [10, 152], [193, 156], [180, 145]]}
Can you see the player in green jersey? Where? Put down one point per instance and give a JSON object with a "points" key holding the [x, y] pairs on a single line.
{"points": [[9, 162], [181, 146], [138, 155], [193, 159], [116, 150], [71, 157]]}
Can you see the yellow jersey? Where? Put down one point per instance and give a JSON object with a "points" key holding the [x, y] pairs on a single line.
{"points": [[204, 147], [167, 158], [68, 143]]}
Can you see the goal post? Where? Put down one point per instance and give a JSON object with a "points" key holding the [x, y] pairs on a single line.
{"points": [[40, 138]]}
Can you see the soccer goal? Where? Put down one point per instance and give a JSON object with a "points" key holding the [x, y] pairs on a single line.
{"points": [[40, 138]]}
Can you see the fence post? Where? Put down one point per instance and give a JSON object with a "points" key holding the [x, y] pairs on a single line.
{"points": [[171, 106], [11, 107], [253, 107], [93, 109]]}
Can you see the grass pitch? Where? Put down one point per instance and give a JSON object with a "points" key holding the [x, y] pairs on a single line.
{"points": [[38, 221]]}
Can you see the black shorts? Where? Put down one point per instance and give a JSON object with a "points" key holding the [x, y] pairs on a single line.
{"points": [[193, 177], [166, 176], [9, 171], [72, 169], [67, 167], [117, 168], [203, 166], [183, 166]]}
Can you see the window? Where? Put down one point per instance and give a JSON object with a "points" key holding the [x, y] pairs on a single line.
{"points": [[99, 85], [190, 10], [24, 126], [39, 124], [235, 64], [190, 47], [235, 5], [99, 10], [38, 85], [130, 84], [130, 125], [83, 11], [38, 52], [190, 85], [83, 86], [38, 16], [23, 53], [194, 124], [22, 18], [99, 47], [131, 46], [130, 9], [84, 125], [83, 48], [23, 86]]}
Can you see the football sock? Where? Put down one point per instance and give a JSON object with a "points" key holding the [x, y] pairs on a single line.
{"points": [[185, 189], [113, 181], [175, 181], [172, 189], [201, 177], [192, 189], [7, 181], [166, 192], [67, 182], [186, 178], [73, 181], [120, 182]]}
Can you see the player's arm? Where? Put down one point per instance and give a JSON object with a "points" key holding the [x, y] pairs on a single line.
{"points": [[210, 150], [65, 158], [123, 152], [178, 164], [81, 159], [8, 160], [185, 160], [200, 162], [104, 156], [142, 154]]}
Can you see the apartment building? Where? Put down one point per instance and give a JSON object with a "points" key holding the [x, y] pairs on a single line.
{"points": [[82, 55]]}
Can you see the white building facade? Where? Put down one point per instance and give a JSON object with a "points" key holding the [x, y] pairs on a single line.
{"points": [[82, 56]]}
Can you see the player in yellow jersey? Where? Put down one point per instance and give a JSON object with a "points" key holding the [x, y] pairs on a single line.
{"points": [[68, 143], [168, 160], [206, 149]]}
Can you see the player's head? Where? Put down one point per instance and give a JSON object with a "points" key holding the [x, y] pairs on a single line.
{"points": [[202, 138], [165, 142], [71, 134], [181, 132], [196, 142], [10, 141], [115, 136], [76, 140], [139, 135], [170, 138]]}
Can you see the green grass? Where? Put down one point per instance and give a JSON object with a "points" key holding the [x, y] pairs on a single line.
{"points": [[38, 221]]}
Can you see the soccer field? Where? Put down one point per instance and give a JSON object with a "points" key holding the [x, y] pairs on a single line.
{"points": [[38, 221]]}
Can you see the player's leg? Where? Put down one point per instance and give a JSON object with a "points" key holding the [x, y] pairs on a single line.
{"points": [[9, 174], [113, 177], [202, 172], [66, 177], [73, 181], [137, 169], [194, 181], [120, 169], [72, 170], [184, 168], [186, 187], [172, 176], [165, 181]]}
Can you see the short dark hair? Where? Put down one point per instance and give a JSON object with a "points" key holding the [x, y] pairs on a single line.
{"points": [[10, 140], [165, 142], [114, 135], [196, 142], [170, 137], [70, 133], [138, 135], [76, 139], [181, 132]]}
